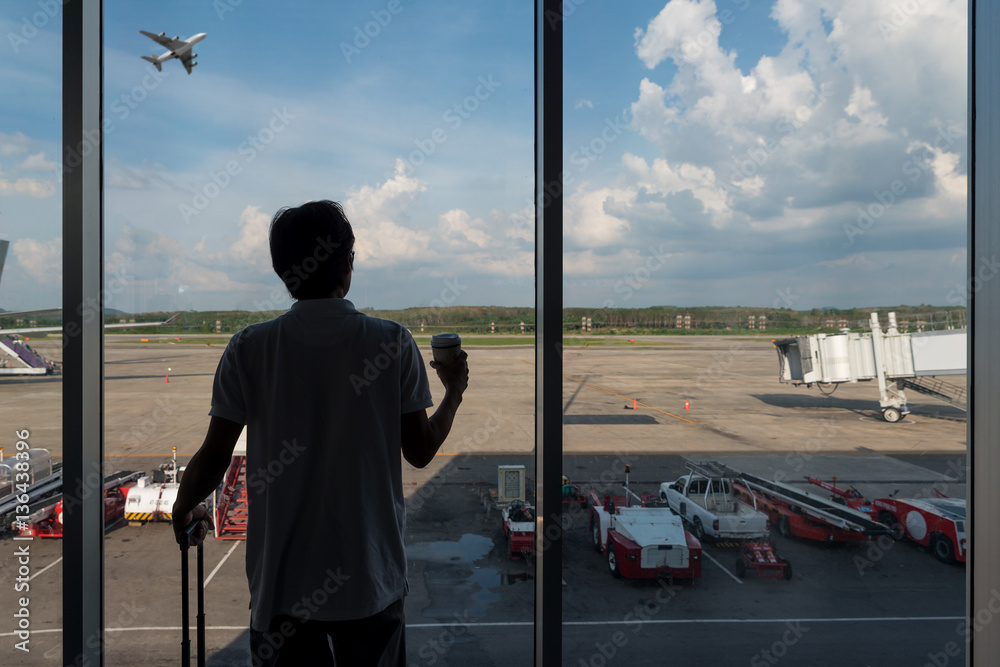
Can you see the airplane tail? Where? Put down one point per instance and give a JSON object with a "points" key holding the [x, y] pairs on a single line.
{"points": [[3, 254], [159, 65]]}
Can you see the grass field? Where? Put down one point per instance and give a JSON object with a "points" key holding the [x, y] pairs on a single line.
{"points": [[527, 340]]}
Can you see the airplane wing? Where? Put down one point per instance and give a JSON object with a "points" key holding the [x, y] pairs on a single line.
{"points": [[188, 61], [21, 313], [164, 41], [134, 325]]}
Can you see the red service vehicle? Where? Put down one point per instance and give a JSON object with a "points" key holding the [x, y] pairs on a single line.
{"points": [[45, 519], [641, 541], [849, 497], [760, 557], [936, 523], [519, 528], [807, 515], [572, 495]]}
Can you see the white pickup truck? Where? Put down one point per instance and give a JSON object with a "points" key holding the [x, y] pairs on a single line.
{"points": [[708, 503]]}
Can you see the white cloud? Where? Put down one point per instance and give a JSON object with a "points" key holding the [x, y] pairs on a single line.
{"points": [[40, 261], [14, 144], [251, 245], [18, 184], [38, 162], [377, 215], [125, 180], [678, 32], [752, 174], [460, 232], [864, 108], [829, 117], [586, 221], [661, 177], [157, 261], [581, 103], [31, 187]]}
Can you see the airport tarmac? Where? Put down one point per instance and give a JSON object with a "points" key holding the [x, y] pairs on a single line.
{"points": [[875, 603]]}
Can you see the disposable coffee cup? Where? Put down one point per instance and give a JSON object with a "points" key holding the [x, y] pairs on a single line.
{"points": [[446, 347]]}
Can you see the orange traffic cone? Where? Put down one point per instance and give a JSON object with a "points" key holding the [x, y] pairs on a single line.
{"points": [[687, 404], [635, 403], [168, 378]]}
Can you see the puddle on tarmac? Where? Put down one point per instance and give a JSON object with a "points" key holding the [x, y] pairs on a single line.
{"points": [[468, 549], [454, 582]]}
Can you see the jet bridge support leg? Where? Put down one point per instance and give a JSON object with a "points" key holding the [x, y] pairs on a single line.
{"points": [[891, 398]]}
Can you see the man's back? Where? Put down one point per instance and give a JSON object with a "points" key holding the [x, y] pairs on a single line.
{"points": [[331, 400], [321, 389]]}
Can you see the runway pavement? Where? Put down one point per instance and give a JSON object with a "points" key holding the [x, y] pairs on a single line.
{"points": [[469, 604]]}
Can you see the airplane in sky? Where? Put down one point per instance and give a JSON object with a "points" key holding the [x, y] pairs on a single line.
{"points": [[179, 49]]}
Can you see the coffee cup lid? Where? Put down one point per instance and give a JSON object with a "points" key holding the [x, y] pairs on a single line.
{"points": [[446, 340]]}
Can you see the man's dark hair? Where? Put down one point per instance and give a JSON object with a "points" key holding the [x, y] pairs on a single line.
{"points": [[307, 246]]}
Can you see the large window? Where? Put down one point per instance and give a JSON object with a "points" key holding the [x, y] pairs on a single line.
{"points": [[708, 396], [418, 119], [31, 350], [738, 173]]}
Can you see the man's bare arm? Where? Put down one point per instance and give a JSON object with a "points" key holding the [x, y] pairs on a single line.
{"points": [[423, 435], [203, 475]]}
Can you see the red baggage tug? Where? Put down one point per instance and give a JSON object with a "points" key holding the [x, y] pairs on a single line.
{"points": [[643, 542], [936, 523], [519, 528]]}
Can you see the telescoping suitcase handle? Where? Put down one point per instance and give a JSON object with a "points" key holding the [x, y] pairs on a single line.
{"points": [[186, 639]]}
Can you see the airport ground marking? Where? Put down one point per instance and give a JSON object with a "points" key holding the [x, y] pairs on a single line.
{"points": [[45, 568], [528, 624], [224, 559], [731, 575], [608, 391]]}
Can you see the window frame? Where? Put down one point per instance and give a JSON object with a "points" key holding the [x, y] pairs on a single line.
{"points": [[983, 566], [83, 335]]}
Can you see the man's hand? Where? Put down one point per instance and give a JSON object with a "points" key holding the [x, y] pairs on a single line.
{"points": [[454, 376], [199, 513], [205, 471]]}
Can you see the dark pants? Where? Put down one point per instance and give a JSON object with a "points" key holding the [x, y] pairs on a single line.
{"points": [[376, 641]]}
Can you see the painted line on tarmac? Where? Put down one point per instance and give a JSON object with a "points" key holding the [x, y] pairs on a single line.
{"points": [[731, 575], [650, 452], [717, 621], [45, 568], [142, 629], [224, 558], [608, 391], [528, 624]]}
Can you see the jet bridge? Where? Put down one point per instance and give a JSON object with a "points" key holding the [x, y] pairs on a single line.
{"points": [[897, 361]]}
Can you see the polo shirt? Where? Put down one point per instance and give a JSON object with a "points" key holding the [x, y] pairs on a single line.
{"points": [[321, 390]]}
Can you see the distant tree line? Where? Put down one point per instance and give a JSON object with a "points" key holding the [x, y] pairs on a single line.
{"points": [[656, 319]]}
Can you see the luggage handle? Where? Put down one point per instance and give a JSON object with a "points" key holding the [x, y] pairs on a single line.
{"points": [[185, 545]]}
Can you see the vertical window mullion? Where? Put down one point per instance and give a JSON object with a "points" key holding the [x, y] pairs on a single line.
{"points": [[983, 571], [83, 335], [548, 330]]}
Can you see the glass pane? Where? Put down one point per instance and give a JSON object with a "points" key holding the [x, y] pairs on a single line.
{"points": [[30, 340], [418, 118], [747, 184]]}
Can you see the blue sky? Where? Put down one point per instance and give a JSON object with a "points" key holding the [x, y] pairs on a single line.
{"points": [[798, 153]]}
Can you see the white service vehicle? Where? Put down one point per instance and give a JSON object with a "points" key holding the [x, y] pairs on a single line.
{"points": [[152, 498], [708, 503], [640, 541]]}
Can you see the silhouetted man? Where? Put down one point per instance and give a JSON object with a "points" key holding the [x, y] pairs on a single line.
{"points": [[330, 398]]}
